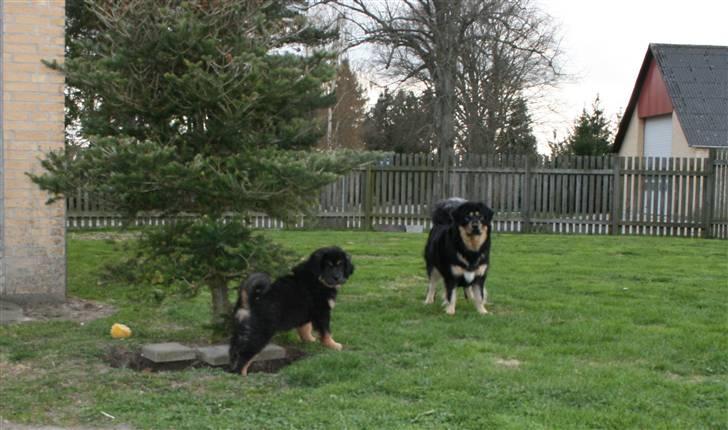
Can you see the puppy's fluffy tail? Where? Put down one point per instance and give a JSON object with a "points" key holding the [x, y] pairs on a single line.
{"points": [[249, 291], [441, 213]]}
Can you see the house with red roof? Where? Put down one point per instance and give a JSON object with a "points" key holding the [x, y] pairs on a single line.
{"points": [[679, 103]]}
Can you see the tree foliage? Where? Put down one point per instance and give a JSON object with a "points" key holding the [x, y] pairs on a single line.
{"points": [[591, 134], [344, 119], [516, 136], [400, 124], [198, 107], [509, 56], [476, 57]]}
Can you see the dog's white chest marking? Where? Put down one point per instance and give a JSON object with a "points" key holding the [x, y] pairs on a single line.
{"points": [[459, 271], [332, 303]]}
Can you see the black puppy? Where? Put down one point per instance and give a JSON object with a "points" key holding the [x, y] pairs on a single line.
{"points": [[299, 300], [458, 251]]}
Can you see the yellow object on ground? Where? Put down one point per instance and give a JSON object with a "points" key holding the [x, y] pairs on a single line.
{"points": [[120, 331]]}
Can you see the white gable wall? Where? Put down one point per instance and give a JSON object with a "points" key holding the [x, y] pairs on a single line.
{"points": [[634, 140]]}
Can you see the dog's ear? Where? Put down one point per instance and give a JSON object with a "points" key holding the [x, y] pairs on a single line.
{"points": [[349, 268], [486, 212], [312, 265], [457, 214]]}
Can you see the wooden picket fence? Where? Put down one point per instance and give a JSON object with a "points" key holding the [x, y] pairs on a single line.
{"points": [[587, 195]]}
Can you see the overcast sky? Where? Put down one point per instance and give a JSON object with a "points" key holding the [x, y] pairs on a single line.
{"points": [[604, 43]]}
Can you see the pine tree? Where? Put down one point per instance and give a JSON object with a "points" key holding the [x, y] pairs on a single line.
{"points": [[345, 117], [400, 124], [591, 134], [517, 137], [191, 107]]}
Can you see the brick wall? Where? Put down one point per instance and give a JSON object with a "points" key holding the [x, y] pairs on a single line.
{"points": [[32, 234]]}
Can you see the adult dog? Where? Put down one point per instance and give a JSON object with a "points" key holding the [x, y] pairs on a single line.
{"points": [[302, 300], [458, 251]]}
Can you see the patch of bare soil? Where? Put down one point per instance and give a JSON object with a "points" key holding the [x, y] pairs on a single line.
{"points": [[72, 309], [121, 357], [7, 425], [510, 363], [104, 235], [12, 370]]}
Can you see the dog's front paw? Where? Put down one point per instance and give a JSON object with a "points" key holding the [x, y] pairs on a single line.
{"points": [[304, 333], [329, 342], [450, 310], [429, 300], [336, 346], [310, 338], [482, 310]]}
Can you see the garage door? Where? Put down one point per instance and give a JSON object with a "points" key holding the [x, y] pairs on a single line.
{"points": [[658, 136], [658, 143]]}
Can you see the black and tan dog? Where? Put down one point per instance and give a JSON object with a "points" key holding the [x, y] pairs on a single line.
{"points": [[303, 300], [458, 251]]}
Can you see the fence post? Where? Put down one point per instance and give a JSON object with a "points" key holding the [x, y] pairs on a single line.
{"points": [[526, 203], [617, 193], [708, 187], [368, 197]]}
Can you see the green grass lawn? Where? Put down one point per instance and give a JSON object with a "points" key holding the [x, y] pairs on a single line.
{"points": [[584, 332]]}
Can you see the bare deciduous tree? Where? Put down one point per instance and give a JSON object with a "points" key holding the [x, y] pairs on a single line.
{"points": [[511, 53], [477, 57], [420, 39]]}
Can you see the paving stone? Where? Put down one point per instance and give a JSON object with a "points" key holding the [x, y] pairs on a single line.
{"points": [[271, 352], [215, 355], [167, 352], [414, 228], [10, 312], [218, 355], [388, 227]]}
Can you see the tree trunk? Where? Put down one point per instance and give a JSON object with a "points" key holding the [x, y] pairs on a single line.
{"points": [[220, 302], [446, 134], [444, 72]]}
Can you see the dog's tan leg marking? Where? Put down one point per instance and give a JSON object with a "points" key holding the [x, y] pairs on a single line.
{"points": [[450, 308], [469, 292], [304, 332], [328, 342], [434, 277], [244, 370], [457, 271], [479, 302]]}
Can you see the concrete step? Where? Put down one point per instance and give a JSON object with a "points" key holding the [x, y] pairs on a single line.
{"points": [[167, 352], [217, 355], [214, 355], [10, 312]]}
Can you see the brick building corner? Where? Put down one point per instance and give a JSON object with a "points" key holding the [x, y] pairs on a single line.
{"points": [[32, 234]]}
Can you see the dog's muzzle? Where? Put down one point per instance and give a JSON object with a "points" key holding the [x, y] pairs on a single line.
{"points": [[334, 286]]}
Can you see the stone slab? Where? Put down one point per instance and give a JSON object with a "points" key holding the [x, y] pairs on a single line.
{"points": [[414, 228], [271, 352], [10, 312], [388, 228], [217, 355], [168, 352]]}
